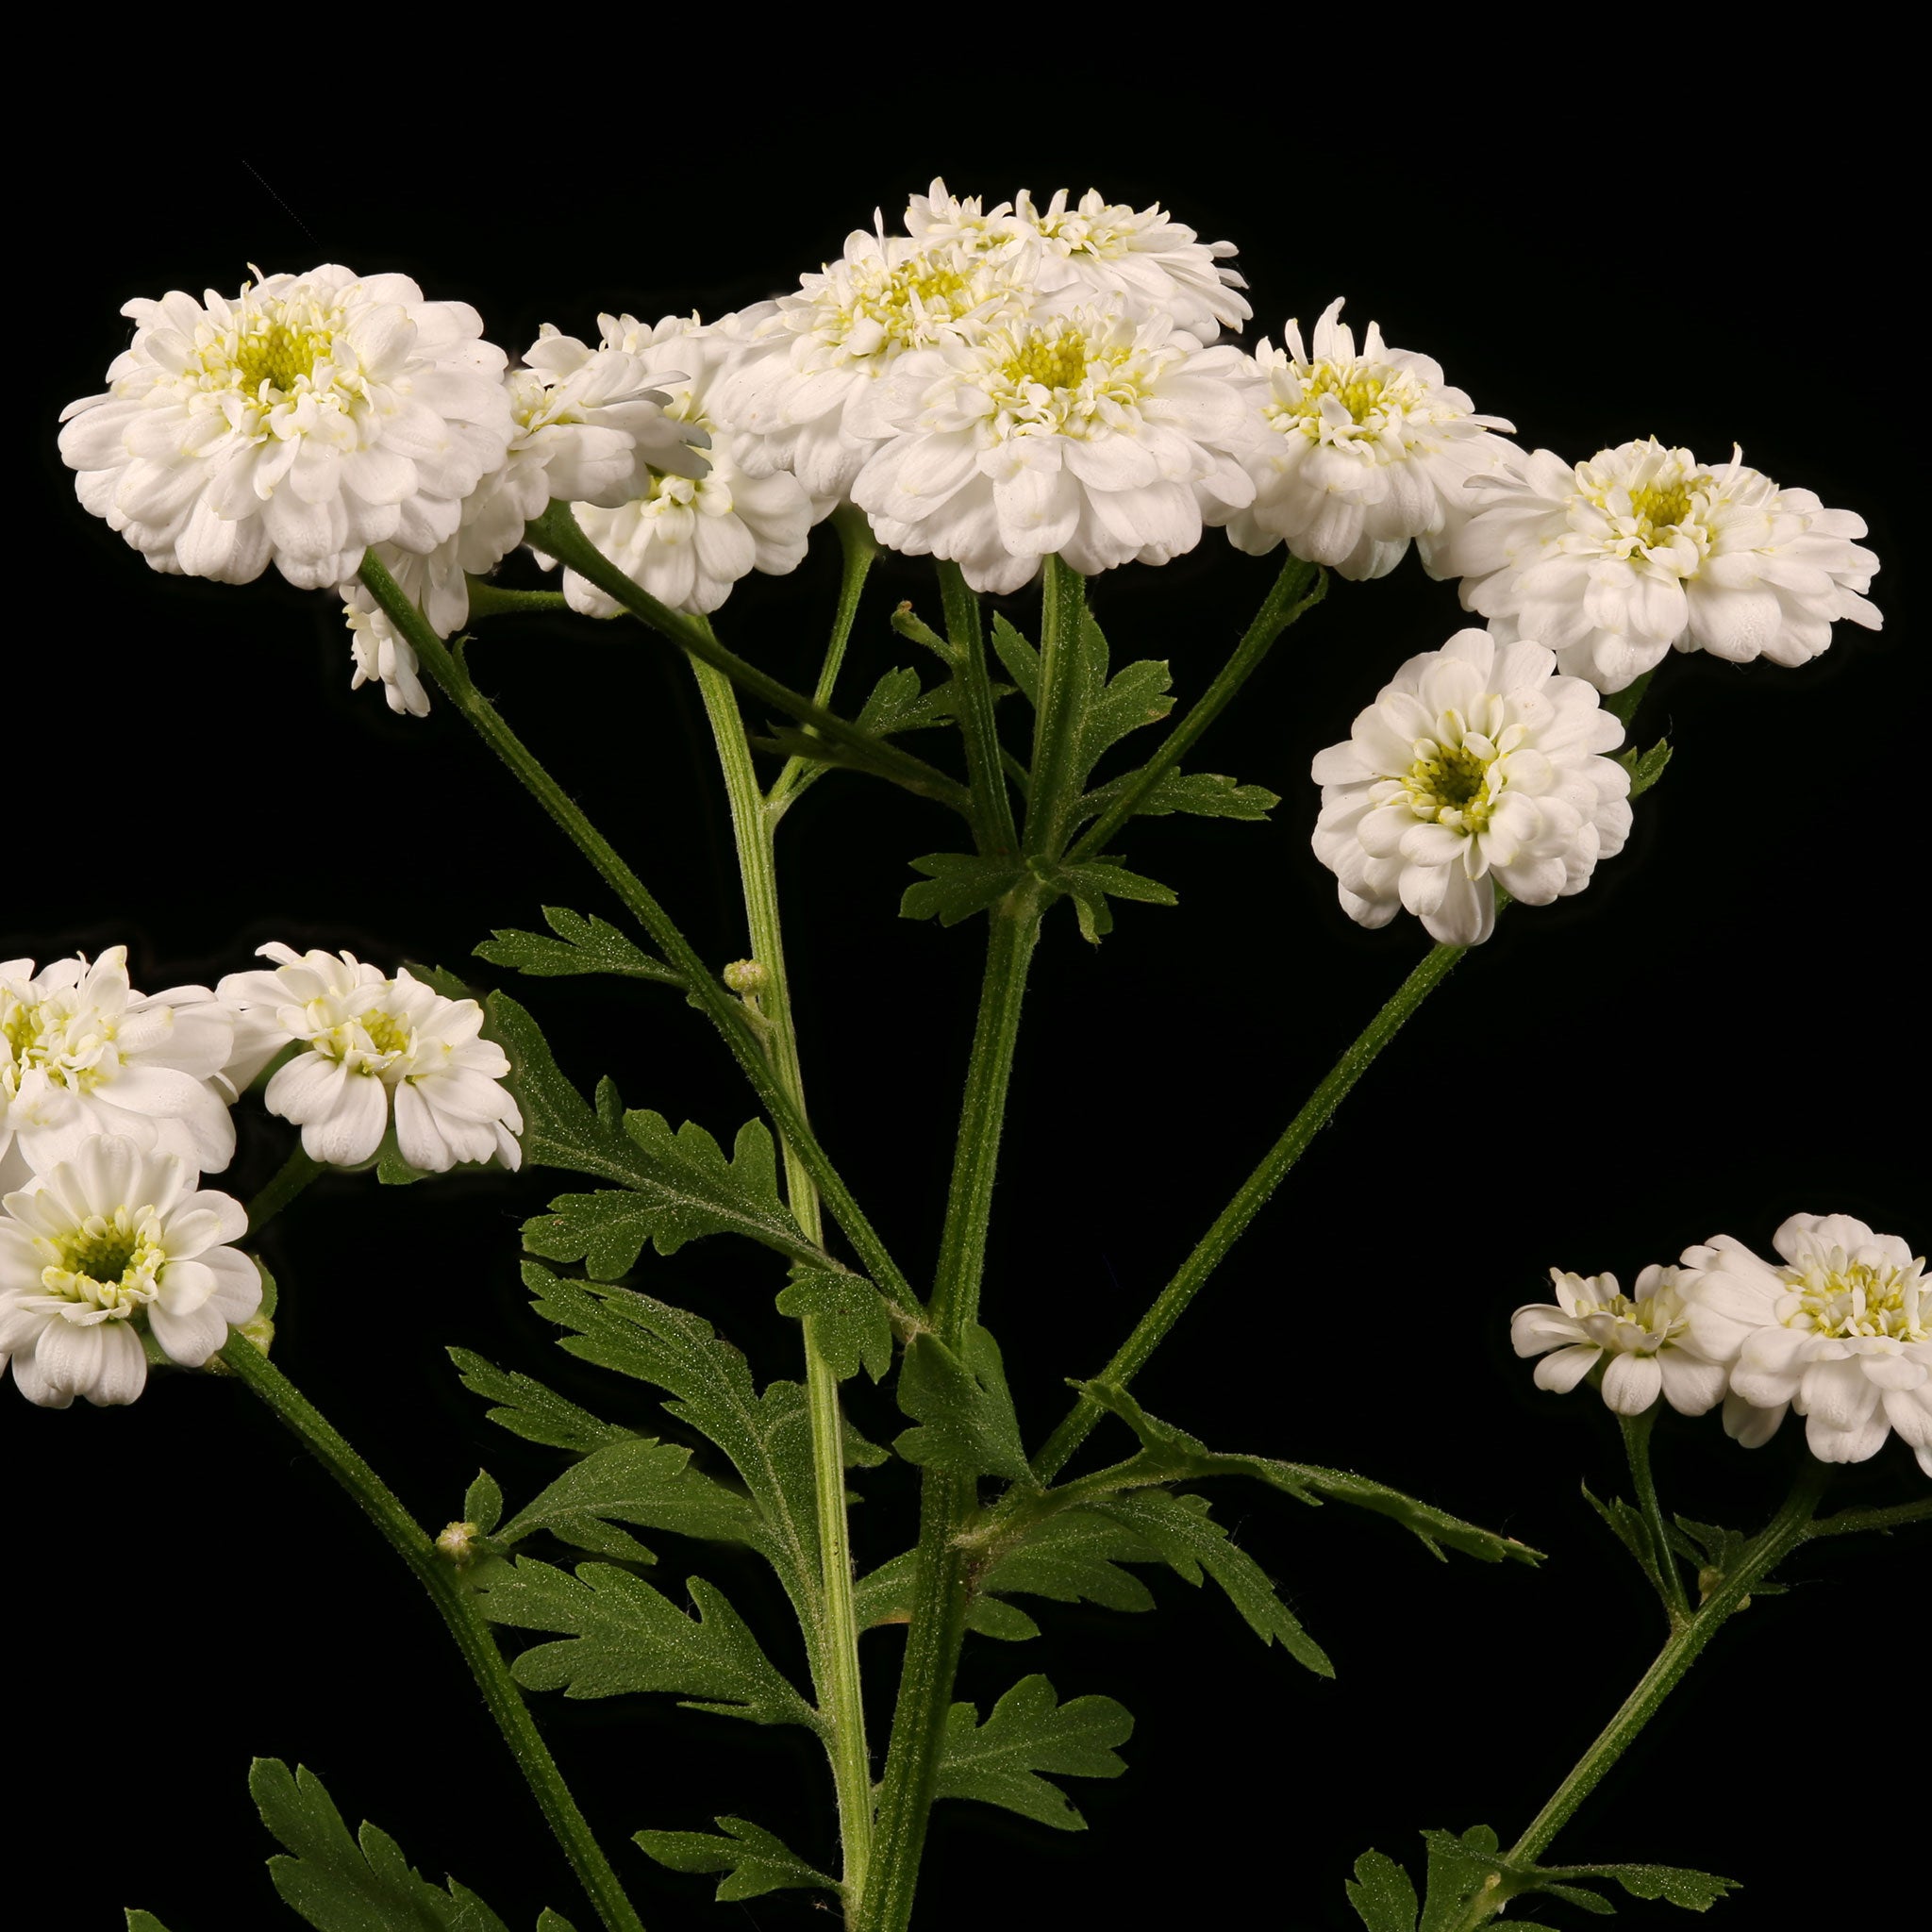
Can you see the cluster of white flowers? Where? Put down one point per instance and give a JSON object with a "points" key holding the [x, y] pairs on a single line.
{"points": [[1840, 1332], [113, 1103], [1476, 763]]}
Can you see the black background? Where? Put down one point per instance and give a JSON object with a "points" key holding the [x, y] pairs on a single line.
{"points": [[1724, 1028]]}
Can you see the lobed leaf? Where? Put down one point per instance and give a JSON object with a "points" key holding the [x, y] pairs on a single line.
{"points": [[621, 1635], [1018, 655], [963, 1410], [1645, 768], [1627, 1525], [340, 1883], [1092, 884], [637, 1481], [1381, 1893], [885, 1596], [581, 946], [849, 1320], [1075, 1555], [1028, 1731], [139, 1921], [483, 1503], [753, 1861], [898, 703], [958, 885], [528, 1409]]}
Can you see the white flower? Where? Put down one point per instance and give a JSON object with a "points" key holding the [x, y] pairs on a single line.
{"points": [[1361, 453], [1475, 762], [1642, 547], [1843, 1333], [1646, 1336], [369, 1037], [588, 424], [82, 1053], [1091, 250], [310, 417], [688, 532], [104, 1246], [1088, 434], [806, 385]]}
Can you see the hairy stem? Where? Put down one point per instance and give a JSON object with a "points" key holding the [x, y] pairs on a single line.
{"points": [[835, 1644], [1637, 1431], [289, 1180], [444, 1581], [858, 548], [1299, 587], [556, 532], [720, 1005], [1782, 1535], [1152, 1328], [493, 600], [966, 643], [1054, 785]]}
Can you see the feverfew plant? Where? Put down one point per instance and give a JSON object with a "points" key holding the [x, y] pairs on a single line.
{"points": [[1024, 392]]}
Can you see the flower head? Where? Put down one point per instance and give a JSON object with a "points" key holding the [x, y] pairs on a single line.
{"points": [[1613, 562], [588, 424], [688, 530], [1841, 1332], [1088, 434], [103, 1247], [1646, 1336], [82, 1053], [296, 424], [372, 1040], [803, 386], [1090, 250], [1361, 453], [1476, 763]]}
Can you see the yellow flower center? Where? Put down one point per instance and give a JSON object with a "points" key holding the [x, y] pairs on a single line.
{"points": [[1844, 1298], [1053, 361], [277, 355], [385, 1034], [1355, 389], [1660, 508], [1450, 784], [107, 1262], [68, 1047]]}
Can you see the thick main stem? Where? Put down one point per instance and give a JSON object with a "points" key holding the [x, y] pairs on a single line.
{"points": [[718, 1004], [1152, 1328], [835, 1644], [938, 1623], [1783, 1534], [444, 1582]]}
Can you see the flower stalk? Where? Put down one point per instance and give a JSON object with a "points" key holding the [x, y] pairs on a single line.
{"points": [[457, 1603]]}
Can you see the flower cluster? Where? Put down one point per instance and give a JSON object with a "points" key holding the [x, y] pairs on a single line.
{"points": [[113, 1103], [1476, 764], [1840, 1329]]}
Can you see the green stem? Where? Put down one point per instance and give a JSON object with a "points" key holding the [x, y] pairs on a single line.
{"points": [[947, 1501], [835, 1642], [857, 547], [1896, 1516], [1636, 1430], [444, 1581], [1785, 1530], [556, 532], [720, 1005], [1298, 587], [291, 1178], [491, 600], [1054, 781], [1152, 1328], [966, 640]]}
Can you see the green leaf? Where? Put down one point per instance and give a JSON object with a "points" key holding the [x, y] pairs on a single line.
{"points": [[1121, 705], [898, 703], [451, 985], [345, 1884], [885, 1596], [849, 1320], [637, 1481], [393, 1170], [1207, 796], [678, 1187], [1697, 1891], [1092, 884], [1074, 1555], [143, 1922], [1645, 769], [958, 884], [622, 1635], [528, 1409], [753, 1861], [1459, 1869], [483, 1503], [1171, 1454], [965, 1415], [768, 1437], [581, 946], [559, 1129], [1027, 1732], [1188, 1540], [1381, 1893], [1628, 1526], [1018, 655]]}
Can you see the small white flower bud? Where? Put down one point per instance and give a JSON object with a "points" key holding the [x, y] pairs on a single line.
{"points": [[746, 978], [458, 1541]]}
